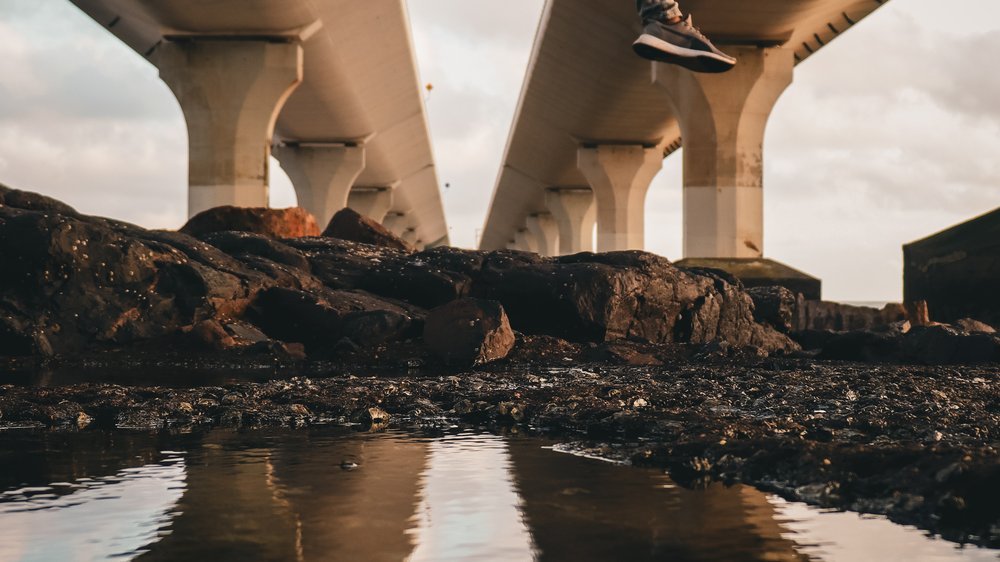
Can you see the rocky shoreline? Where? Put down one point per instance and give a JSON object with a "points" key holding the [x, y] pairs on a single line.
{"points": [[918, 444], [253, 320]]}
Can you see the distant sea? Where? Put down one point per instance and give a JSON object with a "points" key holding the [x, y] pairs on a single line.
{"points": [[872, 304]]}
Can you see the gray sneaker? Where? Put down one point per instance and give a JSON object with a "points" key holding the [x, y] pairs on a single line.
{"points": [[682, 44]]}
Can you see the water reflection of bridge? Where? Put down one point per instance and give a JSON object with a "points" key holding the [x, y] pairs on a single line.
{"points": [[410, 500]]}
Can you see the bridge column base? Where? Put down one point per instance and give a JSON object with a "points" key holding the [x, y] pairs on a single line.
{"points": [[322, 175], [410, 237], [722, 119], [545, 232], [760, 272], [524, 241], [372, 202], [619, 176], [575, 214], [231, 93], [395, 223]]}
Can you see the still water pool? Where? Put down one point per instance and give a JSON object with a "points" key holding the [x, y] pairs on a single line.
{"points": [[335, 494]]}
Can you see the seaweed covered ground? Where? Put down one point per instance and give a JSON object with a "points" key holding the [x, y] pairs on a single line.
{"points": [[916, 443]]}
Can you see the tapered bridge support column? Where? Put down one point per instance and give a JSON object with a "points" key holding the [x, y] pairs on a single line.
{"points": [[575, 213], [410, 236], [395, 223], [525, 241], [619, 176], [545, 232], [231, 92], [722, 119], [322, 175], [372, 202]]}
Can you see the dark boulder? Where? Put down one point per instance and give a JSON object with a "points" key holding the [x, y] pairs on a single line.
{"points": [[30, 201], [469, 332], [296, 316], [350, 225], [944, 345], [286, 266], [430, 278], [924, 345], [775, 306], [623, 296], [319, 320], [294, 222], [970, 326], [18, 336], [71, 282], [239, 244], [862, 346], [341, 264], [369, 328]]}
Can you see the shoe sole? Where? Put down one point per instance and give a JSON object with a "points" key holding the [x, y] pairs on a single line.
{"points": [[655, 49]]}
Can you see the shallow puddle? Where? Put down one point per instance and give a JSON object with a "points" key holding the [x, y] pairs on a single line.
{"points": [[334, 494]]}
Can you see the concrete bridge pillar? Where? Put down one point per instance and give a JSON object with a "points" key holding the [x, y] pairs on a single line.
{"points": [[542, 227], [372, 202], [722, 119], [619, 176], [322, 175], [231, 92], [575, 213], [525, 241], [395, 223]]}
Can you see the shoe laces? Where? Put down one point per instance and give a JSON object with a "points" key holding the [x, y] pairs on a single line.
{"points": [[689, 22]]}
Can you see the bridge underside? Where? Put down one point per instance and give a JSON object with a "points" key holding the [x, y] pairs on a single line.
{"points": [[595, 118], [332, 83]]}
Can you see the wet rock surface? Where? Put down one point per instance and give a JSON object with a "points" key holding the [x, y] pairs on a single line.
{"points": [[918, 444], [469, 332]]}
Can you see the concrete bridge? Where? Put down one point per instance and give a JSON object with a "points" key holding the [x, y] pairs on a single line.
{"points": [[595, 122], [331, 85]]}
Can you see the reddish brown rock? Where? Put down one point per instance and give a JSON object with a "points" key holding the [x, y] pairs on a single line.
{"points": [[469, 332], [349, 225], [294, 222]]}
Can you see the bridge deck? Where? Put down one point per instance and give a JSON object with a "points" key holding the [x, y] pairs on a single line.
{"points": [[584, 85]]}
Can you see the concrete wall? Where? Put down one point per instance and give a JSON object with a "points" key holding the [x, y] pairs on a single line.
{"points": [[957, 271]]}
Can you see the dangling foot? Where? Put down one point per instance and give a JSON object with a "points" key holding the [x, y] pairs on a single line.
{"points": [[682, 44]]}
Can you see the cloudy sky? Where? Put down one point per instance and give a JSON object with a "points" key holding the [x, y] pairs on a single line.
{"points": [[887, 136]]}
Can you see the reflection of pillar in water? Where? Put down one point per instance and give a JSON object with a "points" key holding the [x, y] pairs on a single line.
{"points": [[359, 514], [580, 509], [470, 509], [293, 501], [229, 510]]}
